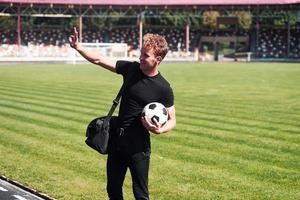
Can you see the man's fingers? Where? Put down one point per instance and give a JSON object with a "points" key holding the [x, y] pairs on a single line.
{"points": [[156, 122], [148, 122], [75, 33], [149, 125], [70, 39], [71, 42]]}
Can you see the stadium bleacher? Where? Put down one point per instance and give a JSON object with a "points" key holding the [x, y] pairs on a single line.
{"points": [[264, 43], [272, 42]]}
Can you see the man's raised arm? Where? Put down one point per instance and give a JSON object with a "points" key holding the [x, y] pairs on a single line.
{"points": [[92, 57]]}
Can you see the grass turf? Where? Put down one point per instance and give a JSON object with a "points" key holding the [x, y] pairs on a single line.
{"points": [[237, 134]]}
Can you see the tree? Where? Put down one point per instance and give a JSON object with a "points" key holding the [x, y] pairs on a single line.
{"points": [[10, 23], [245, 19], [210, 18]]}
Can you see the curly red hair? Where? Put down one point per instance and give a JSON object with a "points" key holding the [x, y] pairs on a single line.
{"points": [[156, 42]]}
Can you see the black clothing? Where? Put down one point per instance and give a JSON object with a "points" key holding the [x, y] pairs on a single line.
{"points": [[140, 91], [117, 163], [130, 147]]}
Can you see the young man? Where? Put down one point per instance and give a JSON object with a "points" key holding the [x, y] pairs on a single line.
{"points": [[131, 145]]}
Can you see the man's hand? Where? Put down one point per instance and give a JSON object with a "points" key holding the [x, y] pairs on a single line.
{"points": [[91, 56], [154, 128], [158, 129], [73, 39]]}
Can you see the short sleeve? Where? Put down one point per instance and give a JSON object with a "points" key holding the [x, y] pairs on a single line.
{"points": [[122, 67], [168, 99]]}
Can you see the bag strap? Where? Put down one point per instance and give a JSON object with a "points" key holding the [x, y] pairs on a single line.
{"points": [[117, 99]]}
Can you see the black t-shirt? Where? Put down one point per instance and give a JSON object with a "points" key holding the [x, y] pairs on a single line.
{"points": [[139, 91]]}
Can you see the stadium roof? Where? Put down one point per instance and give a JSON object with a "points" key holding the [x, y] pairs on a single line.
{"points": [[155, 2]]}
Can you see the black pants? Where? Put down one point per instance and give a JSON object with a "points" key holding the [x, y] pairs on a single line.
{"points": [[117, 164]]}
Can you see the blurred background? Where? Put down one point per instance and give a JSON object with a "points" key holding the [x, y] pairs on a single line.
{"points": [[32, 30]]}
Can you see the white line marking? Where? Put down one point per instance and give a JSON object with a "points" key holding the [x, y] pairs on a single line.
{"points": [[19, 197], [3, 189]]}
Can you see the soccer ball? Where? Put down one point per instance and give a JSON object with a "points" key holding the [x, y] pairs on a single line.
{"points": [[156, 112]]}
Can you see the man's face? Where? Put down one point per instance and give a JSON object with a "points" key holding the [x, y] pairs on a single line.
{"points": [[148, 60]]}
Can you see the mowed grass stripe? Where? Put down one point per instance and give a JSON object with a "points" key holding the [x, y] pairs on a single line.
{"points": [[240, 132], [289, 132], [204, 139], [52, 115], [276, 134], [217, 182], [233, 112], [243, 97], [42, 170], [237, 134], [71, 88], [240, 138], [63, 115], [276, 157], [261, 111], [38, 130], [74, 105], [75, 144], [40, 119], [52, 154], [70, 115], [267, 150], [263, 128], [240, 121], [257, 169], [32, 103], [45, 117], [221, 179], [55, 115], [62, 78], [266, 109], [45, 94], [197, 134], [66, 89], [57, 91], [66, 138]]}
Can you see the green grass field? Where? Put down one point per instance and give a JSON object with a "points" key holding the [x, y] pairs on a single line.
{"points": [[237, 134]]}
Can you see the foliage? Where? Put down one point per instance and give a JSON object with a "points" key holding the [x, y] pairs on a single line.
{"points": [[167, 18], [210, 18], [191, 18], [162, 17], [74, 22], [283, 18], [10, 23], [245, 19]]}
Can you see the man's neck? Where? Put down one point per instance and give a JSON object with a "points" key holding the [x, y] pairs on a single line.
{"points": [[150, 73]]}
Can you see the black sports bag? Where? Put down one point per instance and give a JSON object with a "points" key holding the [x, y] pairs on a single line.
{"points": [[99, 132]]}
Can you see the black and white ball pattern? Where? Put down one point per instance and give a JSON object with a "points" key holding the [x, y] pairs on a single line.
{"points": [[156, 112]]}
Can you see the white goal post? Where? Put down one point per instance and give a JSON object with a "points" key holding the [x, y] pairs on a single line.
{"points": [[66, 54]]}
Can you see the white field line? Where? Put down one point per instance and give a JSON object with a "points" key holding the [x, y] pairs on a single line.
{"points": [[3, 189], [19, 197]]}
